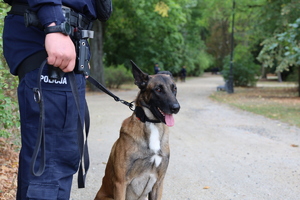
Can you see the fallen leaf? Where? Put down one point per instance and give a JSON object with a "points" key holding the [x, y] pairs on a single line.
{"points": [[294, 145], [206, 187]]}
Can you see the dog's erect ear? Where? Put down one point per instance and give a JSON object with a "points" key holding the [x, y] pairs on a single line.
{"points": [[141, 78]]}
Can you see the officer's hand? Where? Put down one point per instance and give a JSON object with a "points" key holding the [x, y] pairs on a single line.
{"points": [[61, 51]]}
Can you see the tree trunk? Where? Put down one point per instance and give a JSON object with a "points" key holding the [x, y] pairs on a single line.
{"points": [[263, 73], [279, 77], [96, 45]]}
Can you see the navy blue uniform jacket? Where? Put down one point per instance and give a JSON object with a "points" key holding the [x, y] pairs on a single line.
{"points": [[29, 39]]}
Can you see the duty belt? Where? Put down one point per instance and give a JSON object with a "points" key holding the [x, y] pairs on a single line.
{"points": [[76, 19]]}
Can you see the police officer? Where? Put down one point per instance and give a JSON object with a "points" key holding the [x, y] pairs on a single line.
{"points": [[24, 49]]}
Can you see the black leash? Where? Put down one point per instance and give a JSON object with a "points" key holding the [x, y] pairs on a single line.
{"points": [[83, 145], [40, 143], [82, 139], [104, 89]]}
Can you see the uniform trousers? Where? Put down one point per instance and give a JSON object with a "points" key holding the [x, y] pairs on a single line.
{"points": [[61, 118]]}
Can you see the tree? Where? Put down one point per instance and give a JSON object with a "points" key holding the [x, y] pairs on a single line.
{"points": [[195, 54], [217, 19], [149, 32], [97, 68], [282, 49]]}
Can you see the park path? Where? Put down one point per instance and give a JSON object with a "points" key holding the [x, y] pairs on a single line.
{"points": [[217, 152]]}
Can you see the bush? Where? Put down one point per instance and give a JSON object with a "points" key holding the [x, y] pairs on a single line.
{"points": [[196, 67], [245, 71], [204, 62], [9, 115], [293, 74], [9, 112], [116, 76]]}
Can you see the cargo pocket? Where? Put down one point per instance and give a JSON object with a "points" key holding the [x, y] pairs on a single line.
{"points": [[42, 191]]}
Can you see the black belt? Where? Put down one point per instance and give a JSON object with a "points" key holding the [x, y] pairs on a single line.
{"points": [[76, 19], [30, 63]]}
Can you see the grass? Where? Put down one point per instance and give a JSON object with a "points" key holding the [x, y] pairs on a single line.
{"points": [[282, 104]]}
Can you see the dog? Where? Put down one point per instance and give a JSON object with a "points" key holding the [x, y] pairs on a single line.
{"points": [[139, 158]]}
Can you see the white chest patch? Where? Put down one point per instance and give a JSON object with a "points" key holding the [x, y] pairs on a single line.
{"points": [[154, 144]]}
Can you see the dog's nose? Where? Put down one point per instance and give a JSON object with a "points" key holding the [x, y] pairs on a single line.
{"points": [[175, 108]]}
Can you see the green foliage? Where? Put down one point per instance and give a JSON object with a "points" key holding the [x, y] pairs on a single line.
{"points": [[215, 21], [9, 116], [196, 33], [283, 49], [275, 15], [150, 32], [194, 54], [293, 77], [116, 76], [202, 61], [245, 71]]}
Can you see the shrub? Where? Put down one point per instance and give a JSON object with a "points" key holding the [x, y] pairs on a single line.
{"points": [[9, 115], [245, 71], [116, 76], [199, 62]]}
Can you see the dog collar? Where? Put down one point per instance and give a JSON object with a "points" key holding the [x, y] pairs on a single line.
{"points": [[140, 114]]}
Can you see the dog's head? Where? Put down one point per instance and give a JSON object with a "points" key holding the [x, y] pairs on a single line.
{"points": [[157, 95]]}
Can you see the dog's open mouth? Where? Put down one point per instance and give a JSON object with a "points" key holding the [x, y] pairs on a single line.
{"points": [[168, 119]]}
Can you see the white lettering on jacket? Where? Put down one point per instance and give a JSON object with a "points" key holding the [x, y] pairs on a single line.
{"points": [[62, 81]]}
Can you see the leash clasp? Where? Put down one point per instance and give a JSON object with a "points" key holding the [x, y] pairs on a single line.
{"points": [[36, 95], [130, 105]]}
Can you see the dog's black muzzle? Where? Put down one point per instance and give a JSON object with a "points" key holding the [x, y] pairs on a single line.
{"points": [[175, 108]]}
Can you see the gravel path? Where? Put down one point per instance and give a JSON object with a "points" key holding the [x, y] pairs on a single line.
{"points": [[217, 152]]}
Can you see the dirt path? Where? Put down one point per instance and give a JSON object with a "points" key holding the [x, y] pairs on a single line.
{"points": [[217, 152]]}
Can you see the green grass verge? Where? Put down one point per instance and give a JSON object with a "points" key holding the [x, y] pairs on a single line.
{"points": [[282, 104]]}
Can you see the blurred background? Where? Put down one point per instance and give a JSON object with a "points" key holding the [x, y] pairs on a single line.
{"points": [[244, 41]]}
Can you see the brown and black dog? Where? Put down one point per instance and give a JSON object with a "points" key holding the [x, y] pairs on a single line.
{"points": [[139, 158]]}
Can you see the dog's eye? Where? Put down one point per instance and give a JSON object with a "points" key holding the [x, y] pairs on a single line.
{"points": [[158, 89], [174, 89]]}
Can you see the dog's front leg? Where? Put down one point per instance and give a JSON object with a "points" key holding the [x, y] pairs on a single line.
{"points": [[120, 183], [120, 190], [156, 192]]}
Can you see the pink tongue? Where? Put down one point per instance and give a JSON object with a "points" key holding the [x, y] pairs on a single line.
{"points": [[169, 120]]}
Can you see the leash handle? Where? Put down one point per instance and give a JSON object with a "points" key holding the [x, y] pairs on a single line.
{"points": [[40, 142]]}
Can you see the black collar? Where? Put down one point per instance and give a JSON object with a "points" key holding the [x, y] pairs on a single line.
{"points": [[140, 114]]}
